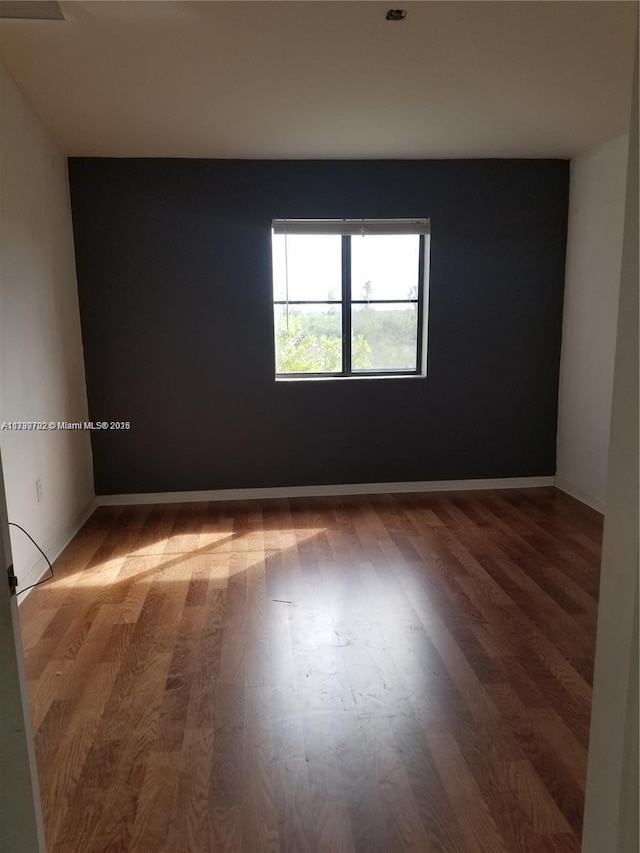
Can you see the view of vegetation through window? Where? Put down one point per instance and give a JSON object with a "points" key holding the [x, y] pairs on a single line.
{"points": [[307, 274]]}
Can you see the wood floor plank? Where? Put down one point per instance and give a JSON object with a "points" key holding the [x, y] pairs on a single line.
{"points": [[62, 774], [156, 803], [333, 828], [342, 675], [536, 801], [562, 741], [478, 827]]}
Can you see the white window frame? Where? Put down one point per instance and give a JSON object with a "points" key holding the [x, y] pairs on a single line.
{"points": [[346, 228]]}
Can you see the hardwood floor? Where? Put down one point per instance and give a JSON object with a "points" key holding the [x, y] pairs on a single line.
{"points": [[379, 674]]}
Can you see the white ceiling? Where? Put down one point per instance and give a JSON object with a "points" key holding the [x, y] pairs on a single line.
{"points": [[327, 79]]}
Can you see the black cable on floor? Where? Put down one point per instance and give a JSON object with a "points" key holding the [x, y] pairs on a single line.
{"points": [[28, 535]]}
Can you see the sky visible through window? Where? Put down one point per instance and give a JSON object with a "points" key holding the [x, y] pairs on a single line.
{"points": [[313, 264]]}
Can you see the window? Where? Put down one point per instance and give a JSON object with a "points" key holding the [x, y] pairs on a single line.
{"points": [[349, 297]]}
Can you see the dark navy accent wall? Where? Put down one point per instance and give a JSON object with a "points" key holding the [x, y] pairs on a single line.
{"points": [[174, 278]]}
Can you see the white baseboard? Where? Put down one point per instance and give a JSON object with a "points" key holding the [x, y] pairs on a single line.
{"points": [[321, 491], [53, 551], [569, 489]]}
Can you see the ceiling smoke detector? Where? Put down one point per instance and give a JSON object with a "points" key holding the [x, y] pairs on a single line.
{"points": [[32, 10], [396, 15]]}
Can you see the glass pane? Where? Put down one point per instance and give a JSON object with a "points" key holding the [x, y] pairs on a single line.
{"points": [[307, 267], [384, 337], [308, 338], [385, 267]]}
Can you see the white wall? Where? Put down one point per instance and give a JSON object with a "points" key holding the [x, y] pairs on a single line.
{"points": [[594, 253], [612, 791], [41, 360], [20, 805]]}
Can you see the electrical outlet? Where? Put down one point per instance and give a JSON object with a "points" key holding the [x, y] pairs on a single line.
{"points": [[38, 490]]}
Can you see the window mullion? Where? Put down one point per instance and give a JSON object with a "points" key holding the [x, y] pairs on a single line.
{"points": [[346, 306]]}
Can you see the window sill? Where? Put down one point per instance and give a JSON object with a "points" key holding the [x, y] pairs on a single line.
{"points": [[397, 376]]}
